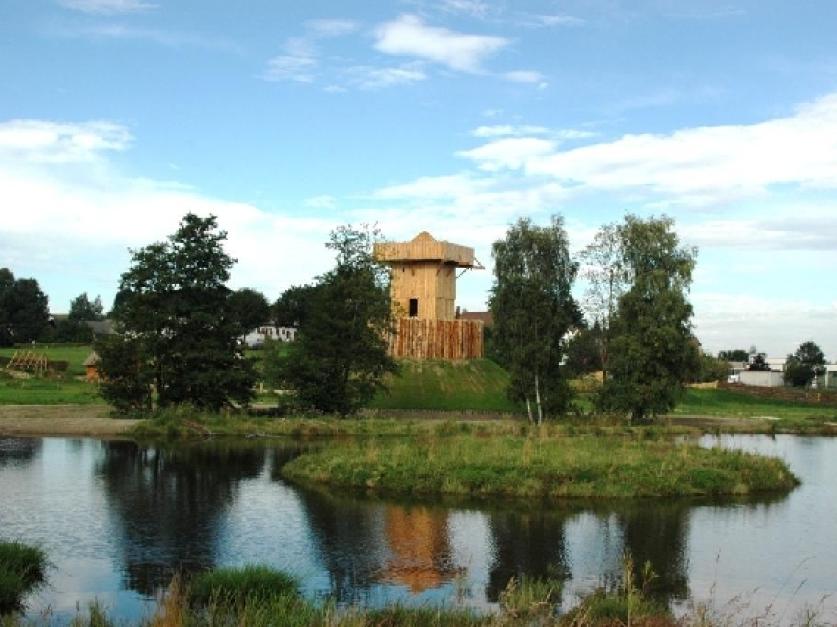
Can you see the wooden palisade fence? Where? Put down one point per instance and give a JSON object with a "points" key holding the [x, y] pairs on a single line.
{"points": [[417, 338]]}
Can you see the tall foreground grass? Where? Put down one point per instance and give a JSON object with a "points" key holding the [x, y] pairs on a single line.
{"points": [[22, 568], [590, 467]]}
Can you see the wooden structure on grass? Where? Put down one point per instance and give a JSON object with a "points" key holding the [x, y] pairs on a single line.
{"points": [[29, 361], [423, 291], [91, 367]]}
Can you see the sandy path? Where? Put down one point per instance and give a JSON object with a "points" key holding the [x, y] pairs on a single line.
{"points": [[61, 420]]}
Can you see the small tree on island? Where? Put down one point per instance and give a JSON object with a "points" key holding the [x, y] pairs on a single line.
{"points": [[652, 351], [803, 366], [533, 309], [338, 362], [179, 330]]}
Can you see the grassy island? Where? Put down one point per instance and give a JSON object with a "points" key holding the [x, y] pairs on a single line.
{"points": [[601, 467]]}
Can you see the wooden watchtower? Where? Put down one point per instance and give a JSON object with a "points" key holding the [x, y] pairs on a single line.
{"points": [[423, 291]]}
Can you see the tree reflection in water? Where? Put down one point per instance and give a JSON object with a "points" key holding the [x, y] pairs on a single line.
{"points": [[167, 501]]}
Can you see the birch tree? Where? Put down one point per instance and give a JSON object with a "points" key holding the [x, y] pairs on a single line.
{"points": [[604, 269], [533, 309]]}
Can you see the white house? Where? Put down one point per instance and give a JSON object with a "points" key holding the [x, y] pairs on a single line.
{"points": [[829, 378], [257, 337]]}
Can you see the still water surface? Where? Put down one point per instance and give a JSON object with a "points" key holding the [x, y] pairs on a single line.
{"points": [[117, 518]]}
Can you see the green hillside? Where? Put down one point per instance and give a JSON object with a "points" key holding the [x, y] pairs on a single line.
{"points": [[476, 385]]}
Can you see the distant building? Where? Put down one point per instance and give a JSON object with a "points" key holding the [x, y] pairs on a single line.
{"points": [[258, 336], [483, 316]]}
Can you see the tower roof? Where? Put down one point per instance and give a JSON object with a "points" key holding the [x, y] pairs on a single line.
{"points": [[424, 247]]}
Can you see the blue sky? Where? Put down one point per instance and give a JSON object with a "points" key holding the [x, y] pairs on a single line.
{"points": [[453, 116]]}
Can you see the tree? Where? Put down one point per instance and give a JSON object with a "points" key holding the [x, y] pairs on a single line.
{"points": [[174, 303], [652, 350], [605, 270], [292, 307], [804, 365], [339, 359], [81, 308], [533, 310], [127, 385], [584, 351], [249, 307], [710, 368], [24, 309], [737, 354]]}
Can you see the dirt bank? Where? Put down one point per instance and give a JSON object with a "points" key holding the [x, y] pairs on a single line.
{"points": [[61, 420]]}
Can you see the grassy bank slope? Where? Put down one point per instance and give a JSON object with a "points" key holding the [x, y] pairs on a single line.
{"points": [[477, 385], [537, 467]]}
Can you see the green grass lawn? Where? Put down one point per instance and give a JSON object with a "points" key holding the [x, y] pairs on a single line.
{"points": [[46, 391], [731, 404], [66, 389], [74, 355], [478, 385]]}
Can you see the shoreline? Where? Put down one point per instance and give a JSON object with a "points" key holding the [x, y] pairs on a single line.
{"points": [[63, 420], [96, 421]]}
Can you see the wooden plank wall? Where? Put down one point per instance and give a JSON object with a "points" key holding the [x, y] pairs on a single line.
{"points": [[416, 338]]}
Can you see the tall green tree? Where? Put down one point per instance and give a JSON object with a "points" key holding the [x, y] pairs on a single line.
{"points": [[24, 309], [804, 365], [174, 303], [736, 354], [533, 309], [82, 308], [652, 349], [339, 359], [292, 307], [250, 308]]}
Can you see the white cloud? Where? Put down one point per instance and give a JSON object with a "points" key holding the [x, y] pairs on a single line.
{"points": [[524, 76], [332, 27], [508, 153], [799, 228], [323, 201], [556, 19], [503, 130], [408, 35], [369, 77], [474, 8], [72, 205], [774, 325], [288, 67], [107, 7], [163, 37], [699, 165], [38, 141]]}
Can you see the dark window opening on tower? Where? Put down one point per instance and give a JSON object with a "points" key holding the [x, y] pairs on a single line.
{"points": [[413, 307]]}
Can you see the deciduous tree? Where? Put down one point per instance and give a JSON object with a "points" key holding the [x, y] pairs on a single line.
{"points": [[652, 350], [174, 303], [24, 309], [804, 365], [533, 309], [339, 359]]}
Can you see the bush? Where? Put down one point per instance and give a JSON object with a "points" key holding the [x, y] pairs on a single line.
{"points": [[238, 586]]}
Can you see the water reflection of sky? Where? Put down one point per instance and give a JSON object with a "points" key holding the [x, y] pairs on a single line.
{"points": [[118, 519]]}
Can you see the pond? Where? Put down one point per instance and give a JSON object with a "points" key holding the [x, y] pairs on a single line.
{"points": [[118, 518]]}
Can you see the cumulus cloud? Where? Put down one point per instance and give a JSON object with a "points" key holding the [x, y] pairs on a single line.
{"points": [[409, 35], [41, 141], [508, 153], [72, 204], [701, 165]]}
